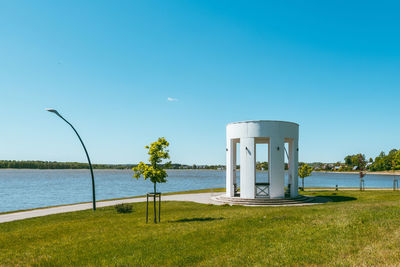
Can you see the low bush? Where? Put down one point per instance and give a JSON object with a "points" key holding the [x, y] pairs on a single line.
{"points": [[123, 208]]}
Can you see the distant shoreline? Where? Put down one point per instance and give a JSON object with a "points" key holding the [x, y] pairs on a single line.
{"points": [[397, 172], [55, 165], [100, 169]]}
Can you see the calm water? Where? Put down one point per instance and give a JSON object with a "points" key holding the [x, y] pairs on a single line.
{"points": [[27, 189]]}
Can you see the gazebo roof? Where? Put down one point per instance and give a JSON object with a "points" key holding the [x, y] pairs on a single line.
{"points": [[263, 121]]}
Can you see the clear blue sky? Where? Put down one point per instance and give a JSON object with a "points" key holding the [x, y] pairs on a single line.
{"points": [[110, 67]]}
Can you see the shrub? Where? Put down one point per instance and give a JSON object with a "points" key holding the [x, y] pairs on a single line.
{"points": [[123, 208]]}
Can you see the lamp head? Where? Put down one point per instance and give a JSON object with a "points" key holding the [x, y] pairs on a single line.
{"points": [[52, 110]]}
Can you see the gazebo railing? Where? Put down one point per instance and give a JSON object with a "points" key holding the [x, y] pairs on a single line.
{"points": [[262, 190]]}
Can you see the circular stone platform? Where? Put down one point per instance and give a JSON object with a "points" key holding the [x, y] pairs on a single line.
{"points": [[300, 200]]}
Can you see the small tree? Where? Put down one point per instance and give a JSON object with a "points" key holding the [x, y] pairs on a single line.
{"points": [[155, 172], [304, 171]]}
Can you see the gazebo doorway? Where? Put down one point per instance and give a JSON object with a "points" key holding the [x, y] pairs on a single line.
{"points": [[262, 177]]}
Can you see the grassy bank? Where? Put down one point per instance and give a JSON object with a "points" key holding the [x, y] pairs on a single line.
{"points": [[356, 228]]}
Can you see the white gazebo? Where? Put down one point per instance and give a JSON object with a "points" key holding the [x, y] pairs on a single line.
{"points": [[275, 134]]}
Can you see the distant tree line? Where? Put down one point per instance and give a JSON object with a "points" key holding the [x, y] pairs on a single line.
{"points": [[37, 164], [357, 162], [194, 167], [263, 166], [384, 162]]}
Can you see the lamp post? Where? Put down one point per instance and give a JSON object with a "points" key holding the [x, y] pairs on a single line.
{"points": [[87, 155]]}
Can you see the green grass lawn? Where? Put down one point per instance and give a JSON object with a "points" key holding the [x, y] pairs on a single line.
{"points": [[357, 228]]}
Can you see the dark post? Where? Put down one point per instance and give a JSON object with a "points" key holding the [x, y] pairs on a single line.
{"points": [[362, 184], [87, 155], [147, 208], [155, 209], [154, 195], [159, 208], [90, 164]]}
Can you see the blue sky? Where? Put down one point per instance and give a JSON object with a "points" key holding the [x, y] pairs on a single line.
{"points": [[110, 67]]}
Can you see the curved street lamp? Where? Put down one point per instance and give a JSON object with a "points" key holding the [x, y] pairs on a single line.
{"points": [[87, 155]]}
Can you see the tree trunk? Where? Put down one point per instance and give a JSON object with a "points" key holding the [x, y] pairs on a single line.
{"points": [[155, 211], [302, 181]]}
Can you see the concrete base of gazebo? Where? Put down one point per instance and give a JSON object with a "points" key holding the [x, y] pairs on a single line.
{"points": [[300, 200]]}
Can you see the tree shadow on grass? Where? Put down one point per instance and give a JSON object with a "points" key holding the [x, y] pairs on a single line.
{"points": [[337, 198], [205, 219]]}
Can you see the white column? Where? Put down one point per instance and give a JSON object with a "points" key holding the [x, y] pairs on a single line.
{"points": [[277, 167], [234, 163], [247, 167], [229, 168], [291, 172], [294, 153]]}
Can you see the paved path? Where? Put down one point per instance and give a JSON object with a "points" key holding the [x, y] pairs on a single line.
{"points": [[349, 189], [204, 198]]}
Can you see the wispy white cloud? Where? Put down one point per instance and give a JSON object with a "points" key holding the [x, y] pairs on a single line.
{"points": [[171, 99]]}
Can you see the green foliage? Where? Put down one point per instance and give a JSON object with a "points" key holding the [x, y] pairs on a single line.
{"points": [[155, 171], [305, 171], [355, 160], [123, 208], [262, 166], [36, 164], [387, 162]]}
